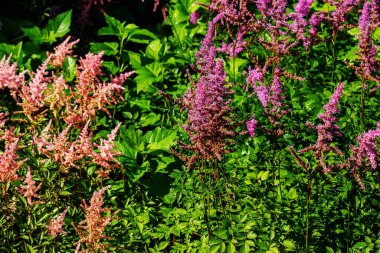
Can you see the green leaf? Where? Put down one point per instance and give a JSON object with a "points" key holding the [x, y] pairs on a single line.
{"points": [[292, 193], [69, 68], [29, 248], [163, 245], [153, 49], [289, 245], [141, 36], [65, 193], [33, 33], [231, 248], [60, 25], [359, 245], [160, 139], [109, 48], [149, 119]]}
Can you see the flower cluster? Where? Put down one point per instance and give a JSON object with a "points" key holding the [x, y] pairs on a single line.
{"points": [[29, 190], [8, 159], [91, 230], [68, 153], [55, 226], [326, 130], [368, 22], [209, 125]]}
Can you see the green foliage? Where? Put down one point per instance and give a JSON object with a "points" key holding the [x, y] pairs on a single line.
{"points": [[258, 198]]}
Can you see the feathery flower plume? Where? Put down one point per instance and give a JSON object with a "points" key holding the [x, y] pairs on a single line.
{"points": [[251, 126], [8, 163], [368, 22], [55, 226], [61, 51], [107, 154], [91, 230], [326, 130], [365, 154], [29, 190], [209, 125], [3, 119], [9, 78], [256, 76], [33, 95]]}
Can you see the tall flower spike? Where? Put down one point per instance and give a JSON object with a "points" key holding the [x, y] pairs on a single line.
{"points": [[106, 156], [8, 159], [29, 190], [367, 49], [326, 130], [209, 126], [91, 230]]}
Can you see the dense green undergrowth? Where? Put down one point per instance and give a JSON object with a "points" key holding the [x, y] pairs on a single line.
{"points": [[222, 126]]}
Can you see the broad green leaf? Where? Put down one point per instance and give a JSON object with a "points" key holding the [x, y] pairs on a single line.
{"points": [[153, 49], [160, 139], [134, 59], [33, 33], [231, 248], [141, 36], [60, 25], [109, 48], [289, 245], [149, 119], [359, 245], [69, 68]]}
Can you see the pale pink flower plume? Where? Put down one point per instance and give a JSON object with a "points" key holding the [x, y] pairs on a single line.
{"points": [[8, 163], [29, 190], [91, 230], [55, 226], [106, 156], [3, 119], [61, 51], [9, 78], [59, 148]]}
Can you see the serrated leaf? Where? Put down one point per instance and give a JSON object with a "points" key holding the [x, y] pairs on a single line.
{"points": [[289, 245], [160, 139], [69, 69], [153, 50], [231, 248]]}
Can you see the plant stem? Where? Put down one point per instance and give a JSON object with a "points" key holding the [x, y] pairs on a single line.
{"points": [[308, 198]]}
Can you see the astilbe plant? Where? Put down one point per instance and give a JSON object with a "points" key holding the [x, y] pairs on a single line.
{"points": [[55, 226], [29, 190], [209, 123], [9, 163], [91, 230], [326, 130]]}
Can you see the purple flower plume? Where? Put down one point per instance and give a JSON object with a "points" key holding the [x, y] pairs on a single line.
{"points": [[194, 18], [368, 22], [251, 126], [209, 124], [326, 130]]}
